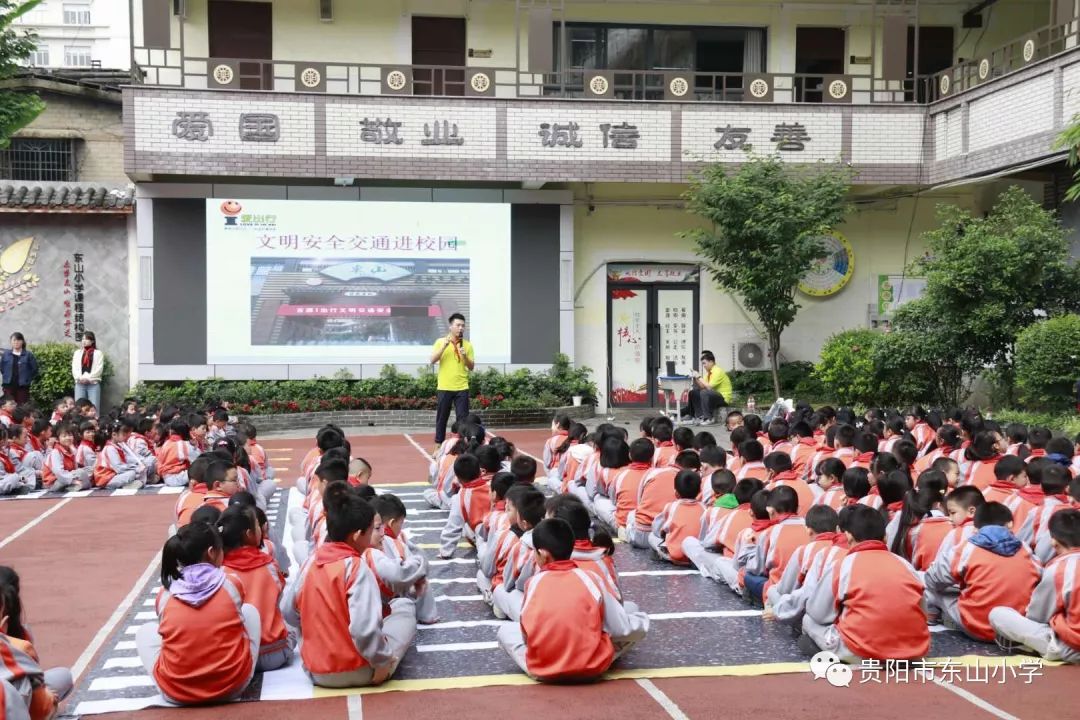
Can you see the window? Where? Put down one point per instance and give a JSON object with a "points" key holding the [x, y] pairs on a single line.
{"points": [[77, 56], [76, 14], [670, 47], [35, 159], [40, 57]]}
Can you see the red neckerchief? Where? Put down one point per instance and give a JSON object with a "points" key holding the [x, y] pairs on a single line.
{"points": [[764, 436], [560, 565], [583, 545], [87, 359], [666, 443], [200, 488], [1003, 485], [246, 558], [478, 482], [946, 450], [639, 466], [500, 505], [895, 506], [68, 456], [1032, 493], [330, 552], [19, 451], [840, 540], [173, 437], [786, 475], [864, 457], [759, 525], [781, 517], [6, 460], [848, 500], [120, 449], [868, 545], [829, 537], [1041, 452], [87, 443], [874, 490], [35, 443], [143, 438], [808, 441]]}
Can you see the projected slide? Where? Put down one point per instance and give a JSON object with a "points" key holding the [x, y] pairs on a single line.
{"points": [[354, 282]]}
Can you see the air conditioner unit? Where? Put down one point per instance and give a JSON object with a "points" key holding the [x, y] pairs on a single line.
{"points": [[326, 10], [750, 356], [179, 8]]}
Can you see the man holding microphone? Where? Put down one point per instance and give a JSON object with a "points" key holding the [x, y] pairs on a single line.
{"points": [[455, 357]]}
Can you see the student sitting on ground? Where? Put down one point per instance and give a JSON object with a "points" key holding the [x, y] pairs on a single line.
{"points": [[571, 627], [526, 512], [656, 490], [401, 565], [678, 520], [176, 454], [472, 502], [720, 530], [786, 599], [61, 471], [752, 454], [713, 461], [1050, 625], [553, 446], [521, 501], [593, 551], [830, 485], [776, 545], [336, 604], [116, 464], [621, 500], [917, 531], [870, 604], [782, 474], [496, 518], [992, 569], [204, 647], [960, 506]]}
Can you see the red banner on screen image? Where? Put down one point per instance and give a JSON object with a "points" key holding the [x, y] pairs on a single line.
{"points": [[359, 311]]}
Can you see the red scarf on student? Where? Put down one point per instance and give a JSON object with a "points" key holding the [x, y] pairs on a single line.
{"points": [[639, 466], [119, 450], [87, 443], [786, 475], [35, 443], [829, 537], [1004, 485], [1032, 493], [1040, 452], [848, 500], [18, 451], [200, 488], [6, 460], [868, 545], [560, 565], [865, 457], [67, 455], [781, 517], [759, 525], [330, 552], [246, 558], [808, 441], [87, 359], [5, 413], [895, 507]]}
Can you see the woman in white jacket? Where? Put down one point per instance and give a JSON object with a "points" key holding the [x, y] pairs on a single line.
{"points": [[87, 366]]}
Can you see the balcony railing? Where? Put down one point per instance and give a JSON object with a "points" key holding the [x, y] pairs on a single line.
{"points": [[168, 68]]}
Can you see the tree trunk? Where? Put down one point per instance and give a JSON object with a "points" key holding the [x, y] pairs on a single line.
{"points": [[774, 361]]}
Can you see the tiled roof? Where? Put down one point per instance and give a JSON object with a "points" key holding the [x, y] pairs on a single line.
{"points": [[65, 197]]}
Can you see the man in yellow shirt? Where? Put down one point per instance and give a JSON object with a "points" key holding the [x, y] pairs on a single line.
{"points": [[712, 389], [454, 355]]}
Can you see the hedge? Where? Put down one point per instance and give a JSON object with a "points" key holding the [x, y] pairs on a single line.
{"points": [[1067, 424], [392, 390], [847, 370], [796, 379], [54, 379], [1048, 363]]}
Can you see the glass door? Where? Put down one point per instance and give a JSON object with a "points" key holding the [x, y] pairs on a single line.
{"points": [[631, 383], [678, 328]]}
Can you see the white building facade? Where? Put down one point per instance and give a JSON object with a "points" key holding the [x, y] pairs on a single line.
{"points": [[80, 34]]}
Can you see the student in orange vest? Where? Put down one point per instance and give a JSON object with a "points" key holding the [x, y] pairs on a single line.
{"points": [[593, 551], [858, 490], [981, 457], [916, 532], [665, 445], [656, 490], [1055, 488], [571, 627], [782, 474], [684, 440], [804, 447], [204, 647], [786, 600], [752, 454], [262, 468], [1038, 438], [915, 421], [713, 461], [473, 498], [399, 563], [891, 489], [116, 464], [947, 442], [713, 549], [560, 428], [527, 509], [870, 604], [960, 505], [1050, 624], [241, 537], [776, 545], [39, 692], [1010, 476], [524, 509], [496, 519], [680, 519], [336, 603], [992, 569], [829, 488], [614, 509]]}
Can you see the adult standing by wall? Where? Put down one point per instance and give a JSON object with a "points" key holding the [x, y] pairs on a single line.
{"points": [[87, 366], [19, 369], [455, 357]]}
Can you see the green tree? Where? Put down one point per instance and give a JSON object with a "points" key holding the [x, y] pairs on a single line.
{"points": [[766, 220], [987, 279], [17, 109], [1069, 139]]}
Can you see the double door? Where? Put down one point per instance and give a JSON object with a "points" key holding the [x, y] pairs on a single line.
{"points": [[649, 325]]}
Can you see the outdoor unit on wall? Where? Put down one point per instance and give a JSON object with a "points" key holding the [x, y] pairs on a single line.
{"points": [[326, 10], [749, 355]]}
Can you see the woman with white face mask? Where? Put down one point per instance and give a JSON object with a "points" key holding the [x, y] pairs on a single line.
{"points": [[87, 366]]}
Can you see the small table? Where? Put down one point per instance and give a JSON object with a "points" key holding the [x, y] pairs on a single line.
{"points": [[676, 385]]}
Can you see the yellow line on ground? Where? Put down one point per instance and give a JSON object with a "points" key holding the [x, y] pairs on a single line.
{"points": [[748, 670]]}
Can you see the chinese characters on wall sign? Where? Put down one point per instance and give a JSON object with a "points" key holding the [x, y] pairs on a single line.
{"points": [[398, 243], [78, 268], [788, 137]]}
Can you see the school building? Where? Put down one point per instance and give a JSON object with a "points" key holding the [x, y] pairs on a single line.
{"points": [[319, 184]]}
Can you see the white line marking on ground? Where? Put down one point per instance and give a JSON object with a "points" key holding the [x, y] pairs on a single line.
{"points": [[125, 645], [355, 705], [453, 561], [33, 523], [424, 512], [146, 616], [171, 490], [131, 630], [453, 624], [458, 598], [95, 707], [456, 647], [124, 492], [639, 573], [121, 610], [705, 614], [32, 496], [409, 494], [975, 700], [123, 662], [447, 581], [418, 446], [120, 682], [662, 699], [79, 493]]}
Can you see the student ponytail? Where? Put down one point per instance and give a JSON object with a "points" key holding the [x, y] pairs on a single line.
{"points": [[601, 538], [234, 522], [188, 546], [577, 432], [917, 505]]}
